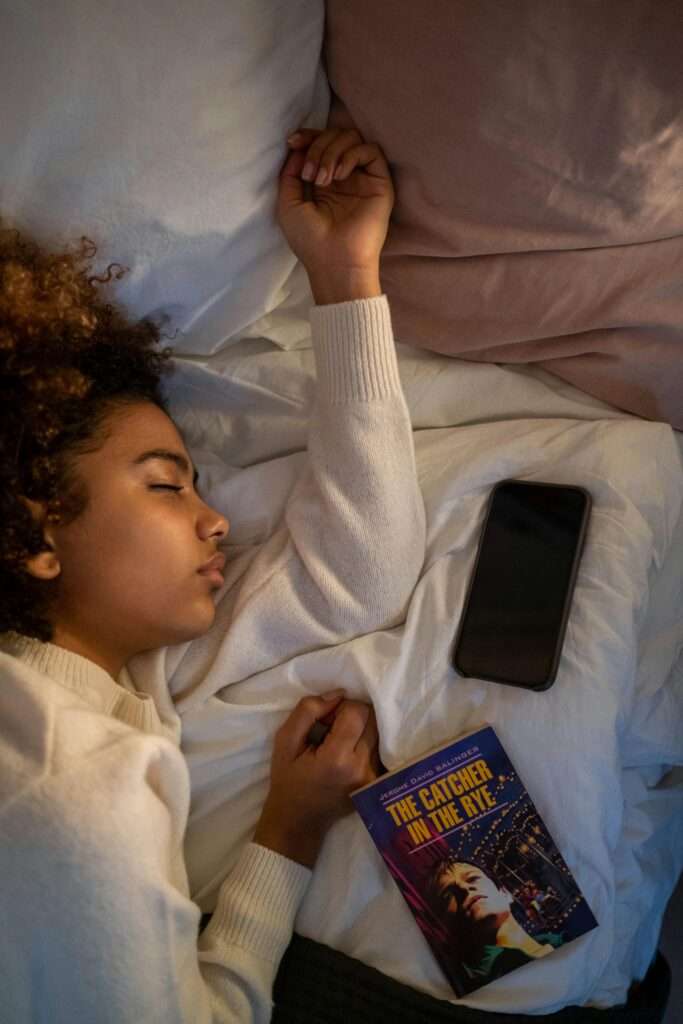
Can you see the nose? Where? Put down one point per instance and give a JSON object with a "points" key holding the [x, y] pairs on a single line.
{"points": [[212, 524], [222, 528]]}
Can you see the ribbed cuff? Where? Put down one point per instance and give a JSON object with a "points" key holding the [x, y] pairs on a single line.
{"points": [[257, 903], [354, 350]]}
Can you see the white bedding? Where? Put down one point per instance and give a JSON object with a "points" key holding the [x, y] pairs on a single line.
{"points": [[590, 749]]}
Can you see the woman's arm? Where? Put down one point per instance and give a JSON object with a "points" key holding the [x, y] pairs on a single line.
{"points": [[355, 520], [97, 920]]}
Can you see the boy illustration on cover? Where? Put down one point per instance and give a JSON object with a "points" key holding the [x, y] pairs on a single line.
{"points": [[485, 935]]}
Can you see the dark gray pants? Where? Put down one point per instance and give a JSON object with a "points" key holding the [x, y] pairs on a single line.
{"points": [[317, 985]]}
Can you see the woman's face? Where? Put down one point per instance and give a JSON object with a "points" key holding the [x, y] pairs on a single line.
{"points": [[130, 564]]}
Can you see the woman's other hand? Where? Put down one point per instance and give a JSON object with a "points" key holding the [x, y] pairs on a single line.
{"points": [[310, 785], [336, 227]]}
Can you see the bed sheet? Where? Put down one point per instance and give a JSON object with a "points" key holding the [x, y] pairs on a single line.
{"points": [[594, 750]]}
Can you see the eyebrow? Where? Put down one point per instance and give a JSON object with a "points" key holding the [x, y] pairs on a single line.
{"points": [[163, 453]]}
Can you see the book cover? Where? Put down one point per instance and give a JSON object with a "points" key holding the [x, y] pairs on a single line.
{"points": [[473, 860]]}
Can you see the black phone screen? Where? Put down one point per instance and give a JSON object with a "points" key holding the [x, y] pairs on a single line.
{"points": [[516, 609]]}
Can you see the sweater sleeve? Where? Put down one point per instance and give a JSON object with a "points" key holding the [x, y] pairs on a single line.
{"points": [[356, 517], [97, 923]]}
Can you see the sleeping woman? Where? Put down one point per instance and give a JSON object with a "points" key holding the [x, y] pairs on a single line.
{"points": [[117, 618]]}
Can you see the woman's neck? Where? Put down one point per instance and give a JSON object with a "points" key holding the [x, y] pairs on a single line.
{"points": [[111, 661]]}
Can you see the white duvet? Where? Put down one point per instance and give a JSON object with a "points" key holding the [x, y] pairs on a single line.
{"points": [[592, 749]]}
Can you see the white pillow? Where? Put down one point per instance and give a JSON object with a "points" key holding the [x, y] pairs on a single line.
{"points": [[158, 130]]}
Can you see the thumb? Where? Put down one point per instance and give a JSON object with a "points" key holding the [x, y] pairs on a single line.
{"points": [[292, 736], [291, 190]]}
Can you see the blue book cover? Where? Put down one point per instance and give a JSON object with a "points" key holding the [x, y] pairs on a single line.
{"points": [[473, 860]]}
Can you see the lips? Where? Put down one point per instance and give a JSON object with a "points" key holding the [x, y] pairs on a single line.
{"points": [[213, 568], [215, 564], [470, 903]]}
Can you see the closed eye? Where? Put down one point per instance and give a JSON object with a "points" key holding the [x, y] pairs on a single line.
{"points": [[164, 487]]}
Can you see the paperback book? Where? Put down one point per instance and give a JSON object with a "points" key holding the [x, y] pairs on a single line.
{"points": [[474, 860]]}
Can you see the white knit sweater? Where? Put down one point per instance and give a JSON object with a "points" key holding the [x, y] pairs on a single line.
{"points": [[97, 920]]}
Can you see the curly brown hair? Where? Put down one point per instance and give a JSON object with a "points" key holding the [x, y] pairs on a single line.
{"points": [[67, 360]]}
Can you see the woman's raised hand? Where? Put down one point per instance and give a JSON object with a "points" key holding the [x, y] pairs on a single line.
{"points": [[339, 223]]}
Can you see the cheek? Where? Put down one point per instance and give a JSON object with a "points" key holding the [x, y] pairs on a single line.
{"points": [[137, 574], [159, 541], [140, 550]]}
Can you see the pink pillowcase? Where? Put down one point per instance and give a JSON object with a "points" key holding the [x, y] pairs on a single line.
{"points": [[537, 153]]}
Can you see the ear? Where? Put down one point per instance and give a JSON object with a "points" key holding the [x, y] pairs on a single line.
{"points": [[45, 565]]}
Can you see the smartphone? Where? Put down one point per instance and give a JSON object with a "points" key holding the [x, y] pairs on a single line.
{"points": [[518, 599]]}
